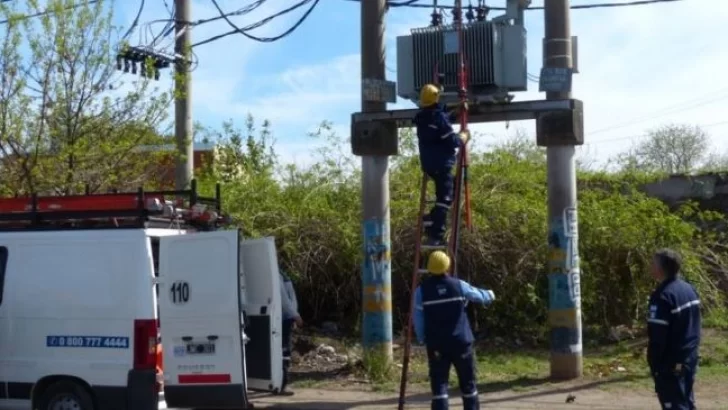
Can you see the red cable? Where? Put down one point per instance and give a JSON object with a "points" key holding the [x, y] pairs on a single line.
{"points": [[462, 92]]}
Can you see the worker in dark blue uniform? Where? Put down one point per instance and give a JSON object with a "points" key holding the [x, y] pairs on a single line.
{"points": [[290, 317], [441, 323], [438, 145], [674, 324]]}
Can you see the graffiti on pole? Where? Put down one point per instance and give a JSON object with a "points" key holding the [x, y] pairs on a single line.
{"points": [[376, 284], [564, 283], [571, 234]]}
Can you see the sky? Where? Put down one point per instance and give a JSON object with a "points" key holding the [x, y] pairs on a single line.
{"points": [[639, 67]]}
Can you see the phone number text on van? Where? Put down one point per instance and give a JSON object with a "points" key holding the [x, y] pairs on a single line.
{"points": [[88, 341]]}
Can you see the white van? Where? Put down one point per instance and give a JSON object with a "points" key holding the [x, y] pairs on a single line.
{"points": [[80, 319]]}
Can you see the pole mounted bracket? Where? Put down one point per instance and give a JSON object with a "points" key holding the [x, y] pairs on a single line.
{"points": [[558, 122], [374, 138], [561, 127]]}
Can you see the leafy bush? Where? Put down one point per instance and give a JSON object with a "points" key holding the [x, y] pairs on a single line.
{"points": [[315, 214]]}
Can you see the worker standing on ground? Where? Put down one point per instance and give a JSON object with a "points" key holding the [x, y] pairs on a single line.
{"points": [[438, 145], [674, 324], [289, 304], [441, 323]]}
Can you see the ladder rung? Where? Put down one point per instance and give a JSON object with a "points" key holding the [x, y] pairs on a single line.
{"points": [[421, 270], [432, 247]]}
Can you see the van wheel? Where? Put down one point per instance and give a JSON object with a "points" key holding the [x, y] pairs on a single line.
{"points": [[65, 395]]}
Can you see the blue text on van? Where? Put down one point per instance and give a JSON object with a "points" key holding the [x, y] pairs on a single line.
{"points": [[107, 342]]}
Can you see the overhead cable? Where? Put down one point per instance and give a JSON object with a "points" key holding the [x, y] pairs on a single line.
{"points": [[244, 30], [414, 4]]}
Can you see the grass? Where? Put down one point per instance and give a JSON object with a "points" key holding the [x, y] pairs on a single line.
{"points": [[622, 364]]}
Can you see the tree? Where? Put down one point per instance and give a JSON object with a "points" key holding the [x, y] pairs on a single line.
{"points": [[715, 162], [670, 149], [66, 121], [240, 154]]}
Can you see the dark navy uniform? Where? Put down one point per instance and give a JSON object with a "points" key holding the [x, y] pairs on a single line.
{"points": [[674, 324], [438, 145], [289, 307], [442, 324]]}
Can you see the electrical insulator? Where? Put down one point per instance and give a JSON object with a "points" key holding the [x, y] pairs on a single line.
{"points": [[133, 68], [156, 74], [126, 65], [457, 15], [436, 18], [470, 15], [143, 69], [482, 13], [119, 63]]}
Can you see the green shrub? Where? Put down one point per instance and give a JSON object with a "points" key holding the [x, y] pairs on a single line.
{"points": [[315, 213]]}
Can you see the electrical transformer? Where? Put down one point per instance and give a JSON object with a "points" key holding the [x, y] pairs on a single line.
{"points": [[494, 54]]}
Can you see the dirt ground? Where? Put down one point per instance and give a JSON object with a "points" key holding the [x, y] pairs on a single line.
{"points": [[325, 378], [588, 395]]}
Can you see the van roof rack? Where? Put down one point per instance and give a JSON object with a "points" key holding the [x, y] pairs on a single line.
{"points": [[184, 209]]}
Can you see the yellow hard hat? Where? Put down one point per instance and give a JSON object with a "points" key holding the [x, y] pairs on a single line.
{"points": [[438, 263], [429, 95]]}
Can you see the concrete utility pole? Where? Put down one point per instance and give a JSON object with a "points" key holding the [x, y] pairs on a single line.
{"points": [[184, 164], [376, 269], [564, 276]]}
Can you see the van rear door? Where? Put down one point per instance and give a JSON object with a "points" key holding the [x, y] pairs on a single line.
{"points": [[262, 306], [199, 308]]}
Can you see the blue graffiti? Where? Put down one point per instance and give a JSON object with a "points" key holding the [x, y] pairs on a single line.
{"points": [[376, 272], [557, 246], [376, 269], [557, 238], [564, 284], [377, 328], [566, 340], [561, 294]]}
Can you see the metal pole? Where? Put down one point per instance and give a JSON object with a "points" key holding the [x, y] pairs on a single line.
{"points": [[565, 300], [376, 268], [183, 102]]}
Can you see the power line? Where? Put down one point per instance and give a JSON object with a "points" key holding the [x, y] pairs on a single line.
{"points": [[134, 23], [169, 22], [243, 30], [413, 4], [671, 109], [242, 11], [646, 135], [168, 27]]}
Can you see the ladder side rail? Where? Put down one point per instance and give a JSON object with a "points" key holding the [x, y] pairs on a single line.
{"points": [[413, 288]]}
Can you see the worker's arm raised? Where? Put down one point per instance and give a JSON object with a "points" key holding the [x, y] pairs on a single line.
{"points": [[476, 295]]}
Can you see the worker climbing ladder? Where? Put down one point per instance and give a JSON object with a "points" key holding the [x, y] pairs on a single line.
{"points": [[461, 189]]}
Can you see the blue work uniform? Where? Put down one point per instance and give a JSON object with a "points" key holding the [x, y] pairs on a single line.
{"points": [[438, 145], [674, 338], [441, 322]]}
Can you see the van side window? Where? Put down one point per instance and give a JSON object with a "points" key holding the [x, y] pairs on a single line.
{"points": [[3, 263]]}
